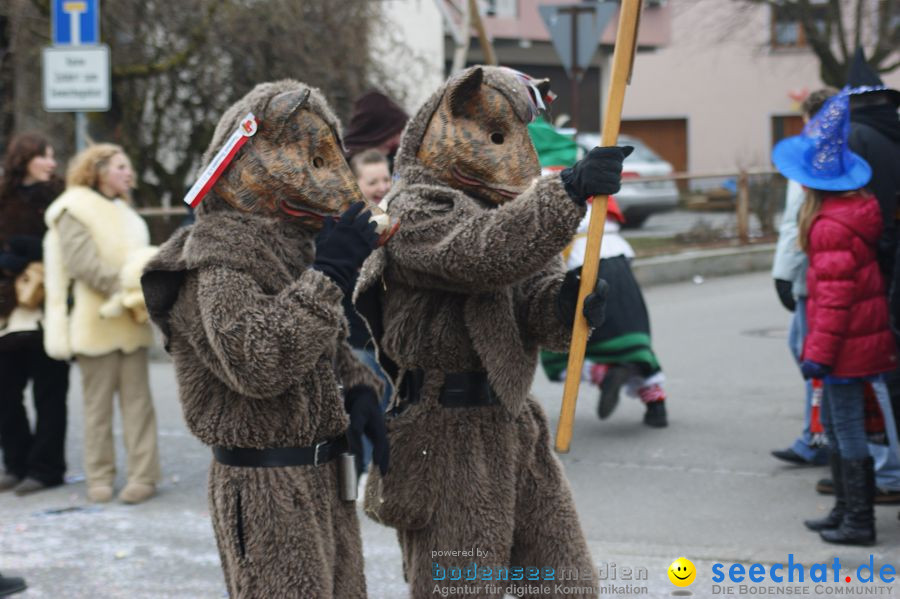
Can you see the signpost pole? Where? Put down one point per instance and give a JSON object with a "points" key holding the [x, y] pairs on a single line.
{"points": [[80, 131], [575, 71], [80, 117], [75, 24]]}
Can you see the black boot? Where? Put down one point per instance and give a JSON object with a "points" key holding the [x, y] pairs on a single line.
{"points": [[832, 520], [11, 586], [655, 415], [615, 377], [858, 524]]}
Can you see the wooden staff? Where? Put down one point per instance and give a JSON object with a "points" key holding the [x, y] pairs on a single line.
{"points": [[623, 60]]}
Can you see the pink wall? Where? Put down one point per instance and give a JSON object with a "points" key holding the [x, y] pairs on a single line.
{"points": [[720, 73]]}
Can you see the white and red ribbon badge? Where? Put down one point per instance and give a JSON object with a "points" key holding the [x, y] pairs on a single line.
{"points": [[247, 127]]}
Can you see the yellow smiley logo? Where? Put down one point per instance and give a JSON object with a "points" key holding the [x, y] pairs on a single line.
{"points": [[682, 572]]}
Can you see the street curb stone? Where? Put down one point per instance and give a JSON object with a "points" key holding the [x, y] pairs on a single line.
{"points": [[659, 270], [684, 266]]}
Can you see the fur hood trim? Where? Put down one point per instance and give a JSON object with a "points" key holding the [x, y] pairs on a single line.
{"points": [[117, 231]]}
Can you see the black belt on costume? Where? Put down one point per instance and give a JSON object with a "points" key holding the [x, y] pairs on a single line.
{"points": [[460, 389], [277, 457]]}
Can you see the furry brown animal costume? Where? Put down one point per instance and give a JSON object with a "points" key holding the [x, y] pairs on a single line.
{"points": [[467, 285], [258, 341]]}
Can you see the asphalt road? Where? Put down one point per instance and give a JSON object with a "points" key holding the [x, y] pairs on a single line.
{"points": [[705, 488]]}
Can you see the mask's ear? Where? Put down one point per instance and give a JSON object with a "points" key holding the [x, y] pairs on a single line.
{"points": [[465, 90], [282, 107], [543, 86]]}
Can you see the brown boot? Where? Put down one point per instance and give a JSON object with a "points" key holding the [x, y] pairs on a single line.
{"points": [[136, 493], [100, 493]]}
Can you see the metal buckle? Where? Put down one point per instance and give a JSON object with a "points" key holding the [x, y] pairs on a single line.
{"points": [[316, 452]]}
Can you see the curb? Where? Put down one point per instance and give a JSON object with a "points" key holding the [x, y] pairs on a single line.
{"points": [[659, 270], [684, 266]]}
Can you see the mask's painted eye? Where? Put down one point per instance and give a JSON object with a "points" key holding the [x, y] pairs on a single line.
{"points": [[318, 162], [497, 138]]}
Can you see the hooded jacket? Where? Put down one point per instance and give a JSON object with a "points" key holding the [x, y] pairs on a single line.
{"points": [[256, 335], [470, 285], [883, 155], [258, 342], [847, 306]]}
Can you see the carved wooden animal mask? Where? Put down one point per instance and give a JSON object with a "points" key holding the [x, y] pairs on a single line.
{"points": [[293, 167], [476, 141]]}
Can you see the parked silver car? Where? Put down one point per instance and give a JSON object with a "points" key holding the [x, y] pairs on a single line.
{"points": [[639, 199]]}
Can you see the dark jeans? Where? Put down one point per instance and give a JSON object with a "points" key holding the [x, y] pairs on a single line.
{"points": [[843, 409], [893, 384], [40, 454]]}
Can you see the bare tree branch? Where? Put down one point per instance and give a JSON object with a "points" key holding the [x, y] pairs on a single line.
{"points": [[820, 35], [858, 19], [838, 18], [197, 38]]}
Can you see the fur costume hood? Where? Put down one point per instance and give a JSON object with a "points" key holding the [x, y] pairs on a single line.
{"points": [[407, 167], [258, 102]]}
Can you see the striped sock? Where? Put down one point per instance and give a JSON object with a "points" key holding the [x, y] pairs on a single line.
{"points": [[651, 393]]}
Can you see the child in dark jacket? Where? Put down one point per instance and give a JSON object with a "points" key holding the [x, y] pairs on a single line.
{"points": [[848, 340]]}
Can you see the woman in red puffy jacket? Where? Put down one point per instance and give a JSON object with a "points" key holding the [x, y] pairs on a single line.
{"points": [[848, 340]]}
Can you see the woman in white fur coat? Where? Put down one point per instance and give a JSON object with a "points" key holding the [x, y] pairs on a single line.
{"points": [[96, 246]]}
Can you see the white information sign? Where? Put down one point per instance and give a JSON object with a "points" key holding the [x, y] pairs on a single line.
{"points": [[76, 78]]}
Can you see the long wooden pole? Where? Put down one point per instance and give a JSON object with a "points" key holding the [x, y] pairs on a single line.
{"points": [[623, 58], [487, 48]]}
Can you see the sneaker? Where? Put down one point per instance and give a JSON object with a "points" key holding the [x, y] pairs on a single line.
{"points": [[136, 493], [655, 415], [9, 481], [614, 378], [11, 586]]}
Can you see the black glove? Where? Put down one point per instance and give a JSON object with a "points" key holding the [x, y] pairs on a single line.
{"points": [[12, 263], [598, 173], [594, 304], [344, 244], [785, 294], [366, 418], [26, 246]]}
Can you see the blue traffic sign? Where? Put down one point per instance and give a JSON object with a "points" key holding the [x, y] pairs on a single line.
{"points": [[75, 22]]}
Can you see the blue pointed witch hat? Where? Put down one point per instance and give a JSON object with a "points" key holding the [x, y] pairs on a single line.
{"points": [[819, 157]]}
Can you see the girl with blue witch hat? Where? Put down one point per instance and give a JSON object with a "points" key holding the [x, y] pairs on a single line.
{"points": [[848, 340]]}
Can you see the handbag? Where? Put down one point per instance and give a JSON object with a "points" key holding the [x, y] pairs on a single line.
{"points": [[30, 286]]}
